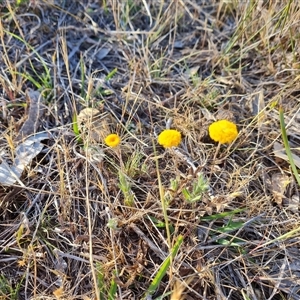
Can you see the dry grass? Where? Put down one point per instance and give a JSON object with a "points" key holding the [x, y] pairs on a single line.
{"points": [[89, 218]]}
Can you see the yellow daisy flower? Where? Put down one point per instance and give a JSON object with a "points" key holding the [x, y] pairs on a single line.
{"points": [[112, 140], [223, 131], [169, 138]]}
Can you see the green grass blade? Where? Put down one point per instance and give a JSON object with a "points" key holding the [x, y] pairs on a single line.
{"points": [[111, 74], [163, 296], [100, 281], [75, 125], [82, 79], [245, 296], [287, 146], [76, 128], [283, 237], [285, 14], [112, 290], [29, 78], [164, 267]]}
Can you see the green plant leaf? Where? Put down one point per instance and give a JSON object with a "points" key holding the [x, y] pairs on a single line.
{"points": [[226, 242], [112, 290], [76, 128], [111, 74], [164, 268], [287, 146], [161, 224], [222, 215], [231, 226]]}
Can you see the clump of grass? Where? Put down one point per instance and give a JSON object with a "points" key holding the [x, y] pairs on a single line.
{"points": [[9, 290], [40, 81], [125, 187], [199, 187]]}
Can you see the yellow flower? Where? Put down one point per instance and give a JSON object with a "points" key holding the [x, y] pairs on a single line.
{"points": [[21, 262], [112, 140], [169, 138], [223, 131]]}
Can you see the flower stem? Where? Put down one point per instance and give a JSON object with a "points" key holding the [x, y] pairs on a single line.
{"points": [[215, 157]]}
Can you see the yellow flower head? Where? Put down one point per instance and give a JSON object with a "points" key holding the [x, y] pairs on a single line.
{"points": [[169, 138], [112, 140], [223, 131]]}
